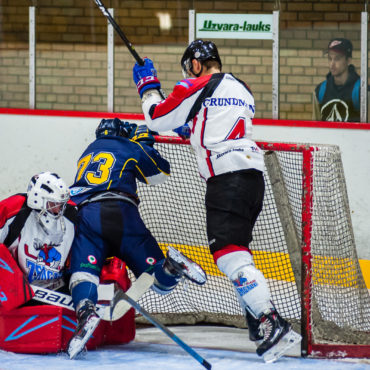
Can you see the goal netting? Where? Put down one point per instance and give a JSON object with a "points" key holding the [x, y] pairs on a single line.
{"points": [[303, 243]]}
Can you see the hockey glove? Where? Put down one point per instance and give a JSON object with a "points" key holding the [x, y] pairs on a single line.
{"points": [[145, 77], [127, 128], [143, 135], [183, 131]]}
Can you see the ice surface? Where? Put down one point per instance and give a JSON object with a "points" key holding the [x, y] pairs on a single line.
{"points": [[151, 350]]}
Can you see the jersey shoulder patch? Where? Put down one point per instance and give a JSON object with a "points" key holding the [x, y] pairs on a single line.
{"points": [[187, 83], [9, 207]]}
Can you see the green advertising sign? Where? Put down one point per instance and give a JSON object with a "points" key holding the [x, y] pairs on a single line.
{"points": [[234, 26]]}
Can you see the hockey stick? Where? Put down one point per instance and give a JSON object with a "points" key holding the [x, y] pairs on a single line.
{"points": [[119, 306], [165, 330], [130, 47], [52, 297], [111, 20]]}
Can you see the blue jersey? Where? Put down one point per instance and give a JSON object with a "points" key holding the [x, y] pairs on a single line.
{"points": [[113, 163]]}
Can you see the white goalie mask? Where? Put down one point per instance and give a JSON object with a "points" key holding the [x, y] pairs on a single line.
{"points": [[49, 194]]}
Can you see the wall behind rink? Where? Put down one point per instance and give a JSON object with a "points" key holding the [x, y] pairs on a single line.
{"points": [[34, 143], [71, 50]]}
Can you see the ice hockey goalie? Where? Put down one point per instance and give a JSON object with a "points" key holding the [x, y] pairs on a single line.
{"points": [[36, 232]]}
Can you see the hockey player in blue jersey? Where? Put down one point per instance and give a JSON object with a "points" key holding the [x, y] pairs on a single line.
{"points": [[109, 223]]}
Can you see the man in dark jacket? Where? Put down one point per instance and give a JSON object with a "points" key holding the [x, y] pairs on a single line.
{"points": [[338, 97]]}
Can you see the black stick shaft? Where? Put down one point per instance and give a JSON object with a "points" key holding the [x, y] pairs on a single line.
{"points": [[131, 49]]}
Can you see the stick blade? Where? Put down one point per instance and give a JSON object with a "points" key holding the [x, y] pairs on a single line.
{"points": [[119, 306]]}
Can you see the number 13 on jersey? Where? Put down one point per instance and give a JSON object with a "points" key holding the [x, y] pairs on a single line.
{"points": [[96, 169]]}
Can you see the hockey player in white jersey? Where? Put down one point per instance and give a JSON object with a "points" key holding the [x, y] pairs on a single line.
{"points": [[216, 110]]}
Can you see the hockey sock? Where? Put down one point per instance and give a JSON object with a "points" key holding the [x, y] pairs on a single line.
{"points": [[164, 282], [84, 290], [228, 249], [249, 282]]}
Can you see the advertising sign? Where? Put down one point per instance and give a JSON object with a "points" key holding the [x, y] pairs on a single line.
{"points": [[234, 26]]}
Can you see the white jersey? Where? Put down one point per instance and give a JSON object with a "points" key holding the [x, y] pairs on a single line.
{"points": [[41, 249], [219, 109]]}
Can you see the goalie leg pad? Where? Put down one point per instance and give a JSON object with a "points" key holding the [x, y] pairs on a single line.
{"points": [[250, 284], [14, 287]]}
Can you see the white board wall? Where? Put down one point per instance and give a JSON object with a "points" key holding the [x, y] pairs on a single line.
{"points": [[32, 144]]}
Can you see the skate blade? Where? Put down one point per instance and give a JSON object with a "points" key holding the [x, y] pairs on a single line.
{"points": [[77, 344], [193, 271], [280, 348]]}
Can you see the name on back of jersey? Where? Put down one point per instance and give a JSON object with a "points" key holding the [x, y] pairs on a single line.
{"points": [[224, 102]]}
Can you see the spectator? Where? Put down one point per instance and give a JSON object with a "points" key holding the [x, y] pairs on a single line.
{"points": [[338, 97]]}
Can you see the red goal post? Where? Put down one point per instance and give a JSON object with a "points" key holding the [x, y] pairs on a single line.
{"points": [[303, 243]]}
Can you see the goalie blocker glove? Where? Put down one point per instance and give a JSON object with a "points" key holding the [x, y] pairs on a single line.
{"points": [[145, 77]]}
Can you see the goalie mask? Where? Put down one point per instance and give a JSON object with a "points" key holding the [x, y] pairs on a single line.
{"points": [[201, 51], [49, 194], [113, 127]]}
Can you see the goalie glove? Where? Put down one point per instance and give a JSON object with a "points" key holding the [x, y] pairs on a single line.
{"points": [[145, 77], [143, 135]]}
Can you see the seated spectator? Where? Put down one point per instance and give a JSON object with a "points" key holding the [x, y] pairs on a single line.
{"points": [[338, 97]]}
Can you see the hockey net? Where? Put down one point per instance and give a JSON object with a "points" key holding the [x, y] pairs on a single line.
{"points": [[303, 243]]}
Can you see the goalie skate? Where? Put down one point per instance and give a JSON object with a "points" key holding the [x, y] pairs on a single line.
{"points": [[88, 320], [184, 266]]}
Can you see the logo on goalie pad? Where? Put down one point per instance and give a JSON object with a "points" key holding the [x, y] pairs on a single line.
{"points": [[5, 266], [3, 297], [243, 286]]}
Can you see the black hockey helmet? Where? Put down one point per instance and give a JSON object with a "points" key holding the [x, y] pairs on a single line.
{"points": [[199, 50], [113, 127]]}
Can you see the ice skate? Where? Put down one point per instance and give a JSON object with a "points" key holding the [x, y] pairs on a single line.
{"points": [[255, 334], [179, 265], [278, 337], [88, 320]]}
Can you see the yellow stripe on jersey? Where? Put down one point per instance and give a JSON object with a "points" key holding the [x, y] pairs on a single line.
{"points": [[125, 164]]}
